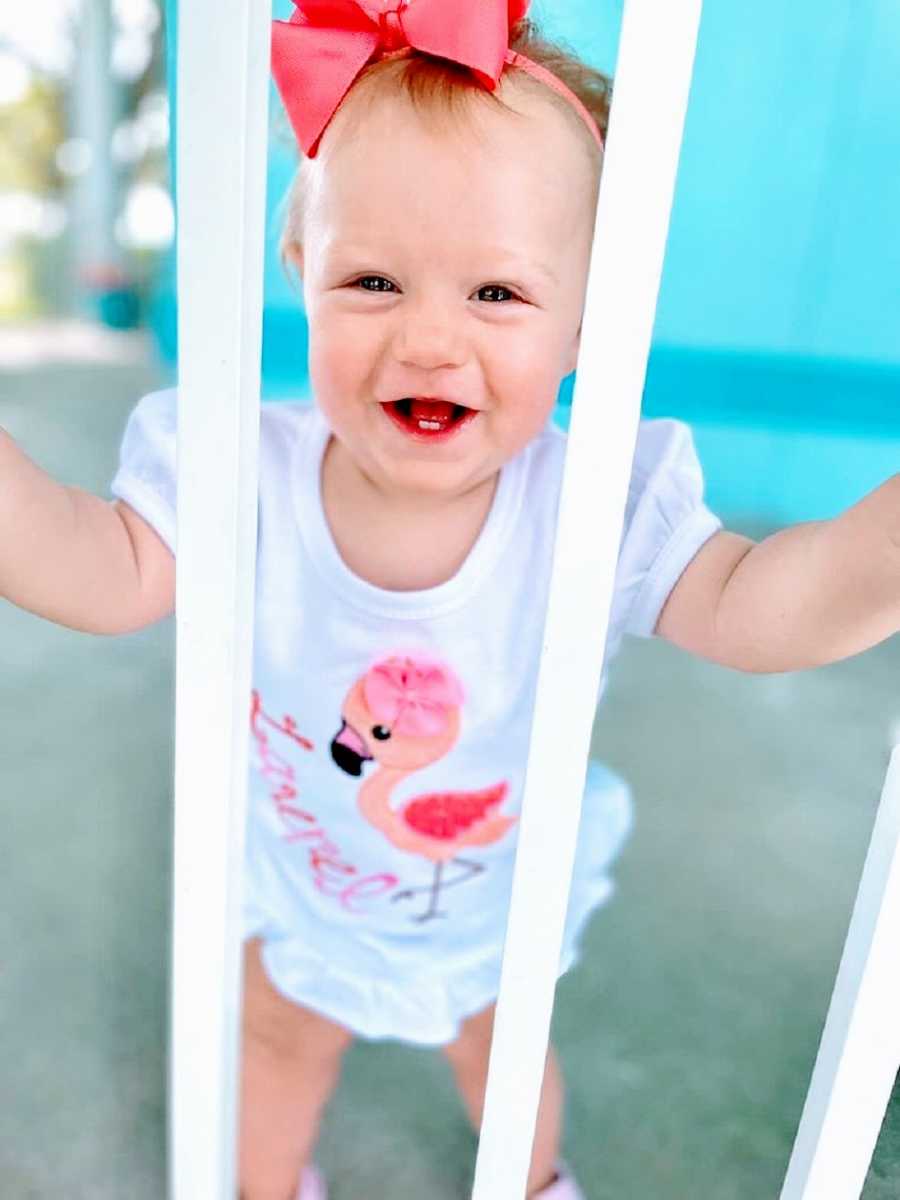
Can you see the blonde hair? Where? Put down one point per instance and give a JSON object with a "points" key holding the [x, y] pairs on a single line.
{"points": [[440, 90]]}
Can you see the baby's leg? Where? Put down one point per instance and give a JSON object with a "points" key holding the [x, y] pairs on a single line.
{"points": [[291, 1059], [468, 1056]]}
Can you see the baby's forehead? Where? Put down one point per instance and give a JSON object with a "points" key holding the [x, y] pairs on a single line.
{"points": [[522, 120], [414, 183], [400, 165]]}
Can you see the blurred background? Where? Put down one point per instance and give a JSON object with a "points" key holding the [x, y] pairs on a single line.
{"points": [[689, 1031], [85, 209]]}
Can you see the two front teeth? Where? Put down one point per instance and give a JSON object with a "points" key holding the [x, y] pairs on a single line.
{"points": [[426, 424]]}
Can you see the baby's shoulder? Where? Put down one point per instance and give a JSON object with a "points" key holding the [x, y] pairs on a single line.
{"points": [[664, 445], [284, 418], [150, 436], [283, 424]]}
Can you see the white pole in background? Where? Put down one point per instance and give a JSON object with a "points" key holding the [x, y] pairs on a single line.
{"points": [[96, 102], [860, 1050], [653, 75], [223, 92]]}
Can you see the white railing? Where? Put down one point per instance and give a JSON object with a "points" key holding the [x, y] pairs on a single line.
{"points": [[860, 1050], [653, 75], [223, 95], [222, 133]]}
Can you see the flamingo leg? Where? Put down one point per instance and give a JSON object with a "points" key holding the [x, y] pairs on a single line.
{"points": [[472, 869], [435, 892], [435, 887]]}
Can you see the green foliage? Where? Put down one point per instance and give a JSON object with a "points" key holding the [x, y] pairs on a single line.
{"points": [[30, 132]]}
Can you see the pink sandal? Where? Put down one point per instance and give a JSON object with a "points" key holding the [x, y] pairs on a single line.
{"points": [[563, 1187], [312, 1185]]}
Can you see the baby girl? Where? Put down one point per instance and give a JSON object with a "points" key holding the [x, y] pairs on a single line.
{"points": [[441, 222]]}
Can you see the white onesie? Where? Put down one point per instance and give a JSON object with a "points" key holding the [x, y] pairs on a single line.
{"points": [[389, 730]]}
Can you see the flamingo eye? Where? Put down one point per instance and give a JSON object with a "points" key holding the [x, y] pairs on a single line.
{"points": [[381, 733]]}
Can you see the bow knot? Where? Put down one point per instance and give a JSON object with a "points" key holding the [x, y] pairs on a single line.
{"points": [[390, 29]]}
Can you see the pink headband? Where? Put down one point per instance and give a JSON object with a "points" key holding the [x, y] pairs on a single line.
{"points": [[318, 54]]}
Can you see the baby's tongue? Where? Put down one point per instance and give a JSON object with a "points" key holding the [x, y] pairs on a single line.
{"points": [[432, 410]]}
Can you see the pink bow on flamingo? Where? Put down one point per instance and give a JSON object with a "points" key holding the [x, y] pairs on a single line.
{"points": [[318, 53], [412, 696]]}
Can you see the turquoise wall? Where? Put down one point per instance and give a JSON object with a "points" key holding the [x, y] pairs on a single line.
{"points": [[784, 233]]}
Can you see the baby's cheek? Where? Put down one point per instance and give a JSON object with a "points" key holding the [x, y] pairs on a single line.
{"points": [[344, 351], [536, 386], [525, 417], [331, 359]]}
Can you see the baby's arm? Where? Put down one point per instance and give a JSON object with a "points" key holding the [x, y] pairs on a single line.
{"points": [[74, 558], [806, 596]]}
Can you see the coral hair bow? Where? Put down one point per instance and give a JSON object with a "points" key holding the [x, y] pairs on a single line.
{"points": [[318, 53]]}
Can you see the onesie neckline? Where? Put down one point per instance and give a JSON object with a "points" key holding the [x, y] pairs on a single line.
{"points": [[306, 473]]}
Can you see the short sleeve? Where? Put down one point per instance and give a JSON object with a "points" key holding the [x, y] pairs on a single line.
{"points": [[666, 523], [146, 476]]}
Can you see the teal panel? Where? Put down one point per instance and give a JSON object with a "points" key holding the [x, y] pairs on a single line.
{"points": [[784, 234]]}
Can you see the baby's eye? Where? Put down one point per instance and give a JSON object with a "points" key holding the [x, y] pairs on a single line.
{"points": [[497, 293], [376, 279], [497, 287]]}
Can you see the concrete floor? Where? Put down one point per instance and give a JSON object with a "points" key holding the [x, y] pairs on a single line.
{"points": [[687, 1035]]}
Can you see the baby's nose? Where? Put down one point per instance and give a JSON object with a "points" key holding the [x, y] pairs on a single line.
{"points": [[429, 337]]}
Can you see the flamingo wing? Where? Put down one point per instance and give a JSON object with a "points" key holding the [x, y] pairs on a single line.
{"points": [[447, 815]]}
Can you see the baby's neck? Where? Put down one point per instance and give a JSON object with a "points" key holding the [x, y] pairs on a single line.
{"points": [[400, 543]]}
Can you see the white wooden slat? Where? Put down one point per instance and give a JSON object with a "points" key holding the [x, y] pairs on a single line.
{"points": [[223, 89], [859, 1054], [653, 76]]}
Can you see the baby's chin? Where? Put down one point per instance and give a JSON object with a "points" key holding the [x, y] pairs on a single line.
{"points": [[422, 480]]}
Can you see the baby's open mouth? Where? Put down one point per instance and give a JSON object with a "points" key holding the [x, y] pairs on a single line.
{"points": [[426, 417]]}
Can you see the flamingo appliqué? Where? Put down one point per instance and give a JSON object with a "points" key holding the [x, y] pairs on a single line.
{"points": [[403, 715]]}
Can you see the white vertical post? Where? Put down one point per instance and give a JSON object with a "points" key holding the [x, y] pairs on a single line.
{"points": [[223, 90], [96, 106], [653, 75], [860, 1050]]}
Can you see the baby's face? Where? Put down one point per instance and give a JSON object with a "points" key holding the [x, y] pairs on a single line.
{"points": [[446, 265]]}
